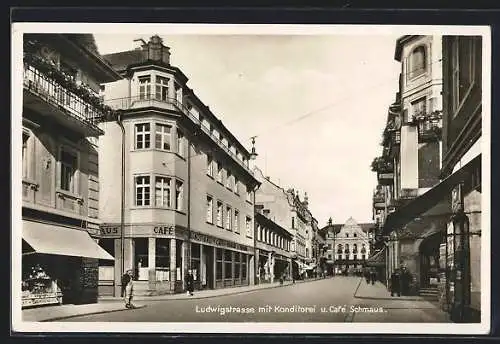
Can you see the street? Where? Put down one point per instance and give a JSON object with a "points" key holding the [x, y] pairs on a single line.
{"points": [[328, 300]]}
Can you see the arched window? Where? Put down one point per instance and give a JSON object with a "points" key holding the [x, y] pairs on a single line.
{"points": [[339, 248], [346, 248], [355, 248], [417, 63]]}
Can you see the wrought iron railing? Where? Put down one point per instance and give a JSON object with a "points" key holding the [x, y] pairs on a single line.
{"points": [[53, 92], [146, 100]]}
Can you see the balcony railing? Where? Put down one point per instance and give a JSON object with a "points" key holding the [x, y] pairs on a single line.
{"points": [[53, 86], [147, 100]]}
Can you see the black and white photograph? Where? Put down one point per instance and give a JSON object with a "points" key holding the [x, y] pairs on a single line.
{"points": [[250, 178]]}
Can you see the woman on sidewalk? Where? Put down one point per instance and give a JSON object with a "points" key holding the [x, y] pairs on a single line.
{"points": [[128, 288], [190, 283]]}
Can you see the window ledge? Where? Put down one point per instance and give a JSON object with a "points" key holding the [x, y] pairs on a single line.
{"points": [[210, 176], [66, 194], [210, 223], [220, 226]]}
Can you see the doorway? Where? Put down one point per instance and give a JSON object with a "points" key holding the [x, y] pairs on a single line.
{"points": [[208, 261]]}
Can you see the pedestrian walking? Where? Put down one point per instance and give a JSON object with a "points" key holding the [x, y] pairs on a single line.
{"points": [[396, 283], [405, 281], [366, 273], [190, 283], [128, 288], [373, 275]]}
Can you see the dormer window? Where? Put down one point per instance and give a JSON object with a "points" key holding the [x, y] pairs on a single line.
{"points": [[417, 62]]}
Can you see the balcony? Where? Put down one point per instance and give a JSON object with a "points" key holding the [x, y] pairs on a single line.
{"points": [[429, 127], [385, 178], [173, 104], [51, 93], [378, 200]]}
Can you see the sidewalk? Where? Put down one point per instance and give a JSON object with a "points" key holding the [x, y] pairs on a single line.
{"points": [[396, 309], [115, 304], [378, 291]]}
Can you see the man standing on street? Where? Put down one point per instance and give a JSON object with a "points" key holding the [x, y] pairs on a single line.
{"points": [[190, 283], [395, 283], [128, 288]]}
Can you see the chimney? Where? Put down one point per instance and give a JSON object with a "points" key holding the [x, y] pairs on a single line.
{"points": [[154, 50], [253, 155]]}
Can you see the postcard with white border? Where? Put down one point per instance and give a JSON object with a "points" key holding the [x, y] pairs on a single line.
{"points": [[250, 178]]}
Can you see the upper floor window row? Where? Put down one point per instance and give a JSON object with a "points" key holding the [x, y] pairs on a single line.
{"points": [[417, 62], [167, 137]]}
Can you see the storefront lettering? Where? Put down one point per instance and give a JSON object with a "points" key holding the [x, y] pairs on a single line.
{"points": [[217, 241], [108, 230], [164, 230]]}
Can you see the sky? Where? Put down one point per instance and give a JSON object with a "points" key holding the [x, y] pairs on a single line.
{"points": [[317, 104]]}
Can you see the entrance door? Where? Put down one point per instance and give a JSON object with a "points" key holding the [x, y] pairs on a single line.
{"points": [[208, 253]]}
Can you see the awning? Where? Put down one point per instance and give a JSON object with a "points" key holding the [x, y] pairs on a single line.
{"points": [[421, 204], [377, 259], [52, 239]]}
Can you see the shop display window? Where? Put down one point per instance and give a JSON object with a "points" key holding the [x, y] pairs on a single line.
{"points": [[38, 287]]}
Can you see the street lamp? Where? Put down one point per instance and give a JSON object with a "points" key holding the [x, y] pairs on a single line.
{"points": [[461, 269]]}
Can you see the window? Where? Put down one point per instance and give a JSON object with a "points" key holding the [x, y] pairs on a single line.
{"points": [[347, 235], [26, 137], [293, 222], [219, 172], [163, 136], [229, 218], [417, 63], [355, 235], [179, 195], [355, 257], [162, 192], [363, 257], [68, 171], [219, 213], [142, 190], [329, 256], [229, 179], [210, 165], [210, 209], [144, 87], [142, 136], [228, 262], [161, 88], [236, 221], [248, 225], [462, 68], [218, 266], [249, 195], [355, 248], [180, 142], [235, 186], [346, 248], [419, 107]]}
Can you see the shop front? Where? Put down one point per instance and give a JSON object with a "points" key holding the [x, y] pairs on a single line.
{"points": [[59, 265], [161, 256]]}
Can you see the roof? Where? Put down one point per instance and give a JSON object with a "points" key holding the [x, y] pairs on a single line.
{"points": [[120, 61], [336, 227], [401, 41], [84, 40]]}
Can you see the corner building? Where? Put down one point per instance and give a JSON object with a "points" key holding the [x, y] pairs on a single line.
{"points": [[188, 190]]}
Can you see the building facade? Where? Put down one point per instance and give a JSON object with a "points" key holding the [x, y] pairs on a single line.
{"points": [[348, 246], [462, 87], [272, 248], [436, 233], [288, 211], [187, 191], [411, 161], [60, 184]]}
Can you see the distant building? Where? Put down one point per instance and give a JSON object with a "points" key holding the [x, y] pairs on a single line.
{"points": [[188, 192], [348, 245], [287, 210], [60, 179]]}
